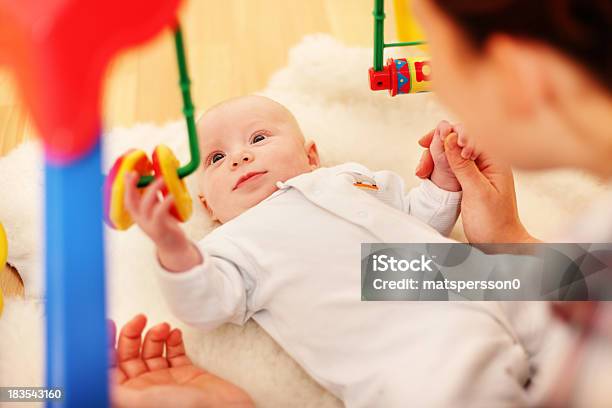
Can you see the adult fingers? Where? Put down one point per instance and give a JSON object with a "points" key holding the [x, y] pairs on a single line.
{"points": [[153, 347], [425, 141], [467, 152], [497, 172], [425, 166], [128, 347], [111, 333], [175, 349], [117, 376]]}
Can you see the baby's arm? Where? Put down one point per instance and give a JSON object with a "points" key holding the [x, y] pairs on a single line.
{"points": [[201, 289], [212, 293], [434, 206], [437, 200], [174, 250]]}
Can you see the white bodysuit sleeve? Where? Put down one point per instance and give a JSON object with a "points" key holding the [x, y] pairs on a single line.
{"points": [[434, 206], [215, 292]]}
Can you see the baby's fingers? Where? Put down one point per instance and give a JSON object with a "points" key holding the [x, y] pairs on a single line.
{"points": [[443, 129], [462, 138], [131, 197], [163, 210], [469, 151], [150, 198]]}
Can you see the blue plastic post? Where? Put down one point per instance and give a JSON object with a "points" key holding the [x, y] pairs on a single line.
{"points": [[76, 327]]}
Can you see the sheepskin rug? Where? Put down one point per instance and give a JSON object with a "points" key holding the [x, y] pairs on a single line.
{"points": [[325, 85]]}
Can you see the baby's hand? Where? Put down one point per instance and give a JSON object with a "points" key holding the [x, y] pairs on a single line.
{"points": [[175, 251], [442, 174], [469, 150]]}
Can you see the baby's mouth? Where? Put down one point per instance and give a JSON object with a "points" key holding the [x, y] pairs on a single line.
{"points": [[247, 177]]}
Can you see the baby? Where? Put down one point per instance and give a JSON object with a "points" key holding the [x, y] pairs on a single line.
{"points": [[288, 255]]}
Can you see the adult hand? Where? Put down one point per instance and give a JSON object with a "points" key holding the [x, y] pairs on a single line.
{"points": [[488, 208], [147, 377]]}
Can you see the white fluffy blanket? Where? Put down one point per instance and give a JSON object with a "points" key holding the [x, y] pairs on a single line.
{"points": [[325, 85]]}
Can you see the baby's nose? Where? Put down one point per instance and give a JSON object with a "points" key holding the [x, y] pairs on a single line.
{"points": [[242, 158]]}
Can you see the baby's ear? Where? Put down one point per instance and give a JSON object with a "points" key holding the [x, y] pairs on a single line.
{"points": [[206, 207], [312, 153]]}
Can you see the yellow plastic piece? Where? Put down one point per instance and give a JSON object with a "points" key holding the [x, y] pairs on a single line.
{"points": [[420, 74], [166, 165], [405, 24], [135, 160]]}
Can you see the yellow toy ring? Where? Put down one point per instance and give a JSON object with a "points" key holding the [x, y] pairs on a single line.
{"points": [[166, 166], [115, 214]]}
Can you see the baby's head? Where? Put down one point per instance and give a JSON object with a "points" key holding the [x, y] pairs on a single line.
{"points": [[248, 144]]}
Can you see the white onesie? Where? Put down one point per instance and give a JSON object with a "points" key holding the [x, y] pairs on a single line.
{"points": [[292, 263]]}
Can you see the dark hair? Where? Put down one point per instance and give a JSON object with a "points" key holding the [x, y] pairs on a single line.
{"points": [[581, 29]]}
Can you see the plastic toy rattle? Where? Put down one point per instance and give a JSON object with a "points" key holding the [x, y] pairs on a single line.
{"points": [[3, 256], [399, 76], [164, 164]]}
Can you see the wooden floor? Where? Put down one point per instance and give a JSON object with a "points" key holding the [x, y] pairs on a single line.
{"points": [[233, 47]]}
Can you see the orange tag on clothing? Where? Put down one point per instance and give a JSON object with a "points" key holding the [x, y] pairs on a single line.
{"points": [[366, 186]]}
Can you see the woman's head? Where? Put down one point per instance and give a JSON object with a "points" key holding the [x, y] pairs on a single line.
{"points": [[531, 80]]}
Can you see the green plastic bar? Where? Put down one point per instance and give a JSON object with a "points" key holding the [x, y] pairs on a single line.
{"points": [[379, 30], [404, 44], [188, 112]]}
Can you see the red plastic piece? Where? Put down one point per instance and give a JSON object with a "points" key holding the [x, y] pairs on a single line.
{"points": [[59, 50], [395, 76], [380, 80]]}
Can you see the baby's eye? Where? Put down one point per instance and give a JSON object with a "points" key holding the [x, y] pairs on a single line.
{"points": [[216, 157], [258, 138]]}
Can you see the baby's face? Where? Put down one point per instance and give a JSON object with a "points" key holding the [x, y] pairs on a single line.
{"points": [[248, 144]]}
